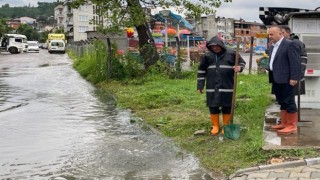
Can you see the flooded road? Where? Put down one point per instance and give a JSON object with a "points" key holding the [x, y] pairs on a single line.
{"points": [[55, 125]]}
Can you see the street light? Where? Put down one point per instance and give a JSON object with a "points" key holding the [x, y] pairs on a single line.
{"points": [[166, 13], [188, 49]]}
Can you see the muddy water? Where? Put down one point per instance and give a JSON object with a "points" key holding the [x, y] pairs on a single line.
{"points": [[55, 125]]}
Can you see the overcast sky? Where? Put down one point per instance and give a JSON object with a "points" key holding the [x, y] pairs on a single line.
{"points": [[13, 3], [249, 9], [245, 9]]}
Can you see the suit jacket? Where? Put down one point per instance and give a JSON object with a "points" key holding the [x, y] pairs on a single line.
{"points": [[286, 64]]}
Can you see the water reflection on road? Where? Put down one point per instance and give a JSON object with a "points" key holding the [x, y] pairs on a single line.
{"points": [[55, 125]]}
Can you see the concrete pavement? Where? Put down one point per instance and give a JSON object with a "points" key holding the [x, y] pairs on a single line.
{"points": [[308, 136], [295, 170]]}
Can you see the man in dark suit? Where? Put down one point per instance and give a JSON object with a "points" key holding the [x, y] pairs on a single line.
{"points": [[284, 74]]}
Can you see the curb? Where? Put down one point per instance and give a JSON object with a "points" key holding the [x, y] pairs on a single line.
{"points": [[291, 164]]}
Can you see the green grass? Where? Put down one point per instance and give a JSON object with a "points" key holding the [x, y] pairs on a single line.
{"points": [[91, 65], [174, 107], [177, 110]]}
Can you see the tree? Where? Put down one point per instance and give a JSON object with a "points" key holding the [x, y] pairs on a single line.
{"points": [[43, 9], [28, 31], [128, 13], [43, 36], [4, 28]]}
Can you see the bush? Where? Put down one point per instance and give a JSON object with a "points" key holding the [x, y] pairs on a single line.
{"points": [[93, 64]]}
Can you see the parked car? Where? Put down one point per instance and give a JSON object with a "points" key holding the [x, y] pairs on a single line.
{"points": [[43, 46], [33, 46]]}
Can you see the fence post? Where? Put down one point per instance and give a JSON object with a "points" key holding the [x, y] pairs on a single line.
{"points": [[251, 52], [178, 63], [109, 58]]}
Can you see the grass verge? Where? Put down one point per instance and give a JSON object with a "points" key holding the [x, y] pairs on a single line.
{"points": [[177, 110]]}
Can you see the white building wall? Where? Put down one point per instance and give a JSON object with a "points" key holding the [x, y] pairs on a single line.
{"points": [[225, 27], [59, 16], [81, 21], [206, 27], [212, 26], [77, 21], [27, 20]]}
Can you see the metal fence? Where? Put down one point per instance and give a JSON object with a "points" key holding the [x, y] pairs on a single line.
{"points": [[80, 47]]}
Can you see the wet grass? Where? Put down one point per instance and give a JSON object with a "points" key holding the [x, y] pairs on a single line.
{"points": [[175, 108]]}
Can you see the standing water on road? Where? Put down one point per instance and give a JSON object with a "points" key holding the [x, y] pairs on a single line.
{"points": [[55, 125]]}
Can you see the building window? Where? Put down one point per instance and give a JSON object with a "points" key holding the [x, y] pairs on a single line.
{"points": [[83, 8], [83, 29], [101, 21], [83, 18]]}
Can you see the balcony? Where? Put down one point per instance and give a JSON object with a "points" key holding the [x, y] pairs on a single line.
{"points": [[70, 34], [67, 2], [59, 15], [70, 23], [70, 12]]}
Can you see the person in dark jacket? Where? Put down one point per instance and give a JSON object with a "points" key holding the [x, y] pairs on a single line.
{"points": [[284, 74], [216, 73], [303, 58]]}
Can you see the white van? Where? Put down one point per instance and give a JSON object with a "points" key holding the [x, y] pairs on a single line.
{"points": [[57, 46]]}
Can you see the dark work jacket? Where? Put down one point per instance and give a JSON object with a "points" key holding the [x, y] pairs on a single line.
{"points": [[303, 63], [216, 73], [286, 64]]}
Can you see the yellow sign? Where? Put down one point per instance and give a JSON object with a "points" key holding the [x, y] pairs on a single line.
{"points": [[262, 35], [56, 36]]}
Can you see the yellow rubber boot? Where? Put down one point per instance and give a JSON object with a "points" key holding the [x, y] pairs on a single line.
{"points": [[226, 120], [215, 124]]}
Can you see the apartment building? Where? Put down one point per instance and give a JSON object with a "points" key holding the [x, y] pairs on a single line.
{"points": [[245, 29], [206, 27], [58, 17], [225, 27], [78, 21], [229, 28], [209, 26]]}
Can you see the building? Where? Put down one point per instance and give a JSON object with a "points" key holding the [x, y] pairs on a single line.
{"points": [[209, 26], [229, 28], [225, 27], [14, 24], [245, 29], [77, 21], [27, 20], [206, 27], [58, 17]]}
